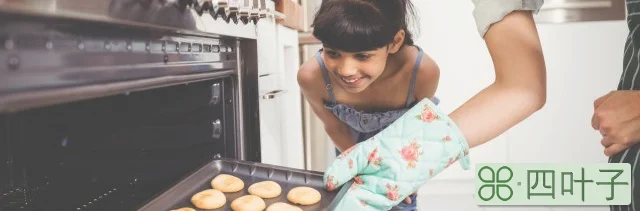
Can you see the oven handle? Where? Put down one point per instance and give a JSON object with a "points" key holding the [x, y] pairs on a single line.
{"points": [[272, 94]]}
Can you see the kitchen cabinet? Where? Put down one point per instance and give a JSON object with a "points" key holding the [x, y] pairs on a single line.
{"points": [[280, 104], [291, 117]]}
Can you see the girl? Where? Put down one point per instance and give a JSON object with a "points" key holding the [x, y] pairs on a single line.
{"points": [[368, 72]]}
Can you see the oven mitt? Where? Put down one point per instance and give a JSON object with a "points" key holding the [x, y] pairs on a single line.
{"points": [[396, 162]]}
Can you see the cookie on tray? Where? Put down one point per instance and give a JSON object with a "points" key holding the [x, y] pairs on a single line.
{"points": [[227, 183], [304, 195]]}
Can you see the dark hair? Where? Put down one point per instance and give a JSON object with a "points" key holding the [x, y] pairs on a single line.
{"points": [[362, 25]]}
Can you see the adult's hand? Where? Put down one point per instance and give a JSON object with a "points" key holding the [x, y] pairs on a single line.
{"points": [[617, 116], [396, 162]]}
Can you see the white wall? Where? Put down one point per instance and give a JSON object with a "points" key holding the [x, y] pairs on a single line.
{"points": [[561, 131]]}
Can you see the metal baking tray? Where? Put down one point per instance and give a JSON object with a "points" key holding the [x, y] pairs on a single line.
{"points": [[250, 172]]}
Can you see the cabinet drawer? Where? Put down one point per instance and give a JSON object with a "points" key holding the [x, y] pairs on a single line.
{"points": [[268, 83]]}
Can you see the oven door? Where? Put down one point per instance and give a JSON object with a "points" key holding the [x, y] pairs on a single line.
{"points": [[116, 152]]}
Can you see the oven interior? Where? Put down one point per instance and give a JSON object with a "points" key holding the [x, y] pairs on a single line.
{"points": [[112, 153]]}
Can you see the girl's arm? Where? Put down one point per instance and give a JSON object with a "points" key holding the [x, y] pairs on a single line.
{"points": [[519, 88], [309, 81], [336, 129]]}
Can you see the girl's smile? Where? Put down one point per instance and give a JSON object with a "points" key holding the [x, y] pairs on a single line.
{"points": [[353, 81]]}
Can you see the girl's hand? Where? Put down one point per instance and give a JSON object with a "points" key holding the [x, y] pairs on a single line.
{"points": [[408, 199]]}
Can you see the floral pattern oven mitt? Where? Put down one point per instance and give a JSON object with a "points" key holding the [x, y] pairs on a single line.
{"points": [[397, 161]]}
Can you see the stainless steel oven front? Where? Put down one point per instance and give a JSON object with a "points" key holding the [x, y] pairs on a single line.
{"points": [[106, 103]]}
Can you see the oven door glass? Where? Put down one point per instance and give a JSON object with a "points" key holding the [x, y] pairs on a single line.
{"points": [[113, 153]]}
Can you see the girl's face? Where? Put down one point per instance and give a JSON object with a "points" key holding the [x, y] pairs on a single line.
{"points": [[355, 71]]}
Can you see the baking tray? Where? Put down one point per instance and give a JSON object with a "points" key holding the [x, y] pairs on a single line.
{"points": [[250, 172]]}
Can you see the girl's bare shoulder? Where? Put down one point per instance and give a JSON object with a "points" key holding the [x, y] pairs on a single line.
{"points": [[310, 78], [427, 77]]}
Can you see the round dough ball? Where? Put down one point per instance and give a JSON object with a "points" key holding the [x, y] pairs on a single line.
{"points": [[248, 203], [281, 206], [227, 183], [185, 209], [304, 196], [209, 199], [265, 189]]}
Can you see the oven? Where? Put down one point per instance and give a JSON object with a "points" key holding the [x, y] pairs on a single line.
{"points": [[131, 104]]}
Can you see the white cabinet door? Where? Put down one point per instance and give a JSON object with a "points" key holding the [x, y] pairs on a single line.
{"points": [[271, 139], [267, 58], [271, 145], [280, 101], [271, 142], [291, 101]]}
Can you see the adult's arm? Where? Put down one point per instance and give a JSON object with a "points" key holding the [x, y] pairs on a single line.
{"points": [[519, 88]]}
